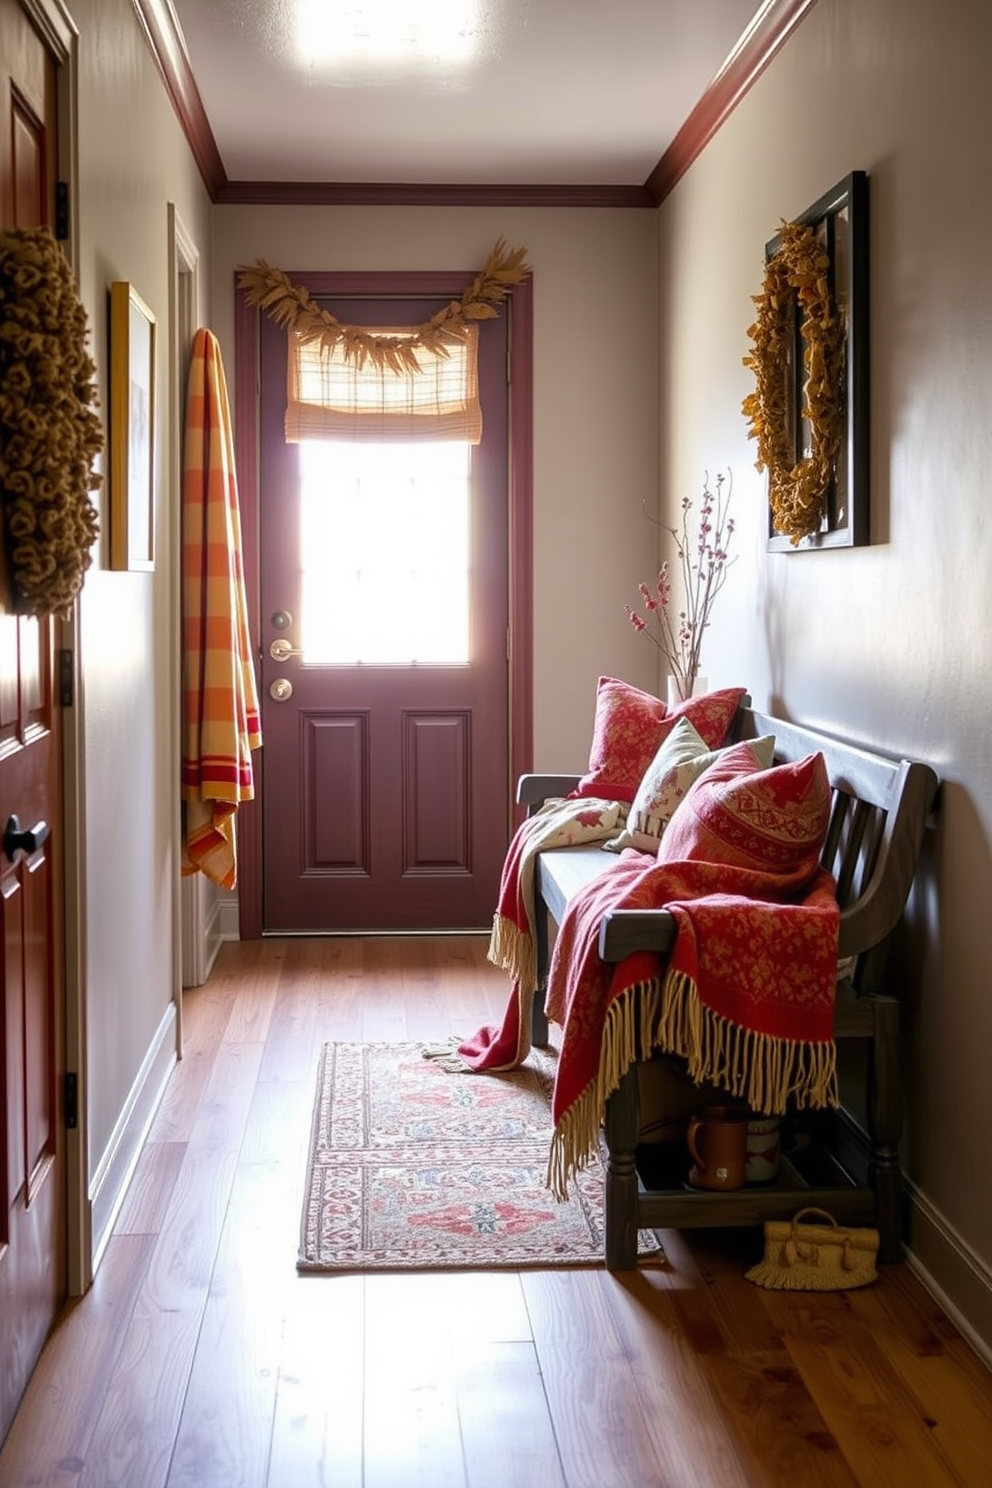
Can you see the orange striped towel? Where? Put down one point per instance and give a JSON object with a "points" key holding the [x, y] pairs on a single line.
{"points": [[220, 701]]}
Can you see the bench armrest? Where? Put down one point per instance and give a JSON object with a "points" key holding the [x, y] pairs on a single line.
{"points": [[534, 790], [622, 931]]}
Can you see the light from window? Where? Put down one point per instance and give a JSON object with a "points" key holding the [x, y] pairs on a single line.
{"points": [[384, 553]]}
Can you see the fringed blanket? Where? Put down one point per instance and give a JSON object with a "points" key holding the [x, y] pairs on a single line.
{"points": [[747, 998], [220, 704], [559, 823]]}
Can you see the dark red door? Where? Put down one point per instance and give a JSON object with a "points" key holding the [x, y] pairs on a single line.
{"points": [[386, 798], [32, 1163]]}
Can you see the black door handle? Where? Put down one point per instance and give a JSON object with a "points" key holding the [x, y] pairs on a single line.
{"points": [[29, 840]]}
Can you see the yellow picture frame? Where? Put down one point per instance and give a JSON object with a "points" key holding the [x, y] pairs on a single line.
{"points": [[132, 429]]}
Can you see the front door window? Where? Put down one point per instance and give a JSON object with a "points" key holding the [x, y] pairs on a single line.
{"points": [[384, 553]]}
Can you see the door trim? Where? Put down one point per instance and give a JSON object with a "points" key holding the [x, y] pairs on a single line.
{"points": [[59, 33], [521, 500], [189, 967]]}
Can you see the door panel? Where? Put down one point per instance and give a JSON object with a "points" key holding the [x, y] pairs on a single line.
{"points": [[386, 801], [32, 1166], [335, 782], [436, 767]]}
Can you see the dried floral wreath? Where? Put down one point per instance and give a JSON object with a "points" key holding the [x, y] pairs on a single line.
{"points": [[49, 432], [292, 306], [797, 490]]}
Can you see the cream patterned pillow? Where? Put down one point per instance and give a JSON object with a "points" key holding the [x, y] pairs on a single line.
{"points": [[681, 758]]}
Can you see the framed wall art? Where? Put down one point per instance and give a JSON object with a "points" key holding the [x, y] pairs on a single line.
{"points": [[132, 429], [810, 410]]}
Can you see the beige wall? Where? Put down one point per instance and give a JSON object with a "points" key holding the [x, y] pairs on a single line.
{"points": [[892, 643], [595, 407], [133, 161]]}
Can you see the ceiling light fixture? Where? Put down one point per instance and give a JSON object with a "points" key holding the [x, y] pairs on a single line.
{"points": [[392, 32]]}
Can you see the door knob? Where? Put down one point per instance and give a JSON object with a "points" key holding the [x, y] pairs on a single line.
{"points": [[282, 650], [281, 690], [28, 840]]}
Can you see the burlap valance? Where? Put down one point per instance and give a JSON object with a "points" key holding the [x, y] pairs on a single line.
{"points": [[293, 306], [330, 396]]}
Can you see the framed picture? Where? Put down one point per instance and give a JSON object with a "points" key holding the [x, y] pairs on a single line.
{"points": [[132, 429], [840, 219]]}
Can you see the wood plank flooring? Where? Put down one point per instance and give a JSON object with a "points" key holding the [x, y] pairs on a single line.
{"points": [[199, 1356]]}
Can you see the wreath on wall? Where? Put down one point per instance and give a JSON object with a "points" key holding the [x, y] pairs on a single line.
{"points": [[49, 432], [292, 306], [797, 489]]}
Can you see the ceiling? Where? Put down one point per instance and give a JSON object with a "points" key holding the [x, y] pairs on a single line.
{"points": [[561, 93]]}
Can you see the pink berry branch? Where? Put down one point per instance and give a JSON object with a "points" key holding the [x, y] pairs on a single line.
{"points": [[702, 562]]}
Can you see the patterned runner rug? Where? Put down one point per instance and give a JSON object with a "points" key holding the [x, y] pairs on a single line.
{"points": [[414, 1168]]}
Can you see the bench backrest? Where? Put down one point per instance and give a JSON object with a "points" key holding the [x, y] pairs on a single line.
{"points": [[878, 817]]}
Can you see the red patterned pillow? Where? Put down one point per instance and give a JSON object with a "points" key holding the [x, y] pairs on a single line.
{"points": [[631, 724], [772, 821]]}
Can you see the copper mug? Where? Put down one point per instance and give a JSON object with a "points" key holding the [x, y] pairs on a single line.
{"points": [[717, 1138]]}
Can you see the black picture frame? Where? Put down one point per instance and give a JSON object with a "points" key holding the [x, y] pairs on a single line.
{"points": [[840, 217]]}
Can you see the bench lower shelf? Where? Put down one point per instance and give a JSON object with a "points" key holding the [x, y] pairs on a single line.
{"points": [[829, 1187]]}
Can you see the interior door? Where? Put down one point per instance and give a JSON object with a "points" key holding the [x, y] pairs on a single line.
{"points": [[32, 1163], [386, 801]]}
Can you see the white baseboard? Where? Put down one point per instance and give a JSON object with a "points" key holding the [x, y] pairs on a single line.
{"points": [[194, 931], [228, 920], [116, 1165], [208, 919], [216, 931], [951, 1271]]}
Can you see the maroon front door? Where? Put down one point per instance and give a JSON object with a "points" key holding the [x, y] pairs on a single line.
{"points": [[32, 1158], [386, 794]]}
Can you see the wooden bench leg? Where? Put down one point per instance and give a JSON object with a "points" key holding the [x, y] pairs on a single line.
{"points": [[621, 1125], [539, 1018], [885, 1127], [542, 949]]}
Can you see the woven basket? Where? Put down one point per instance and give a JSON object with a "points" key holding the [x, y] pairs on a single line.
{"points": [[815, 1257]]}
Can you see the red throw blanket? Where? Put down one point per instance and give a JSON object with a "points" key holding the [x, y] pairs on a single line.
{"points": [[559, 823], [747, 998]]}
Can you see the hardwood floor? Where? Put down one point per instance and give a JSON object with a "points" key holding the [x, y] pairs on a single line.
{"points": [[200, 1357]]}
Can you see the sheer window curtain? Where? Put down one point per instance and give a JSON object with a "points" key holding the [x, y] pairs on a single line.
{"points": [[329, 397]]}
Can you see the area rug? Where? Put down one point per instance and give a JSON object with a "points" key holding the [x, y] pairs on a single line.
{"points": [[412, 1167]]}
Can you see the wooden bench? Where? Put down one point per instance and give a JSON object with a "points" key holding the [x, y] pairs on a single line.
{"points": [[880, 810]]}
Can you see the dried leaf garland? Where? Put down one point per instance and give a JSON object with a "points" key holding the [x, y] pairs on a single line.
{"points": [[292, 306], [797, 490], [49, 432]]}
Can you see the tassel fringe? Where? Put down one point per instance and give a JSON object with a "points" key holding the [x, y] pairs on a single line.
{"points": [[514, 950], [626, 1038], [669, 1016], [446, 1057], [763, 1070]]}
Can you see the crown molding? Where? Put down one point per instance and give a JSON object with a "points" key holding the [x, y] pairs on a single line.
{"points": [[162, 31], [771, 27], [401, 194]]}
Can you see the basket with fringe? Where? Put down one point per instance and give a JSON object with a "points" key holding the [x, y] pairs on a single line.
{"points": [[815, 1257]]}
